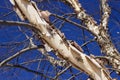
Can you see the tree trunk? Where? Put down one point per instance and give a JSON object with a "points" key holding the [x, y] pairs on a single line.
{"points": [[55, 39]]}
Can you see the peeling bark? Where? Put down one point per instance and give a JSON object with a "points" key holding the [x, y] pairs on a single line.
{"points": [[99, 31], [64, 48]]}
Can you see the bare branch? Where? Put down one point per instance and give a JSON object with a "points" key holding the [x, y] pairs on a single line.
{"points": [[88, 42], [27, 69], [74, 76], [106, 13], [17, 54], [15, 23], [59, 73], [101, 34], [89, 22], [67, 20], [57, 41]]}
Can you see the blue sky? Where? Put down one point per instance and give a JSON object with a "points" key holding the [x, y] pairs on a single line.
{"points": [[13, 39]]}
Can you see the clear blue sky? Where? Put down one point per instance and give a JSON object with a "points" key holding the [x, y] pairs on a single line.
{"points": [[13, 39]]}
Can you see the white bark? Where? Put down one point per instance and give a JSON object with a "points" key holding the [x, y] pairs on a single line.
{"points": [[53, 38], [99, 31]]}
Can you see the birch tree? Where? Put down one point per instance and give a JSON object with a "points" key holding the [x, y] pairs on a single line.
{"points": [[53, 45]]}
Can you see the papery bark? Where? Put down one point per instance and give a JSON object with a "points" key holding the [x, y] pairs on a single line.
{"points": [[99, 31], [55, 40]]}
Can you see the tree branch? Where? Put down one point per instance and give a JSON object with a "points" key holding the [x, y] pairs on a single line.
{"points": [[27, 69], [59, 73], [103, 38], [55, 39], [17, 54], [106, 13], [15, 23]]}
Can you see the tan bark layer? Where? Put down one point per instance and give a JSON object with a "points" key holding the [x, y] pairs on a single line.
{"points": [[65, 50]]}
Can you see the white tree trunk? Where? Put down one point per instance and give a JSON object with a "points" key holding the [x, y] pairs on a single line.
{"points": [[99, 31], [65, 50]]}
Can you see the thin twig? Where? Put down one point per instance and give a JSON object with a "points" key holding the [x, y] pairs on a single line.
{"points": [[19, 53], [16, 23], [27, 69], [88, 42], [59, 73], [74, 76], [67, 20]]}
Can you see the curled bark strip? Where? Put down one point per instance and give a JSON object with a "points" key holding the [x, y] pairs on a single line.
{"points": [[64, 49]]}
